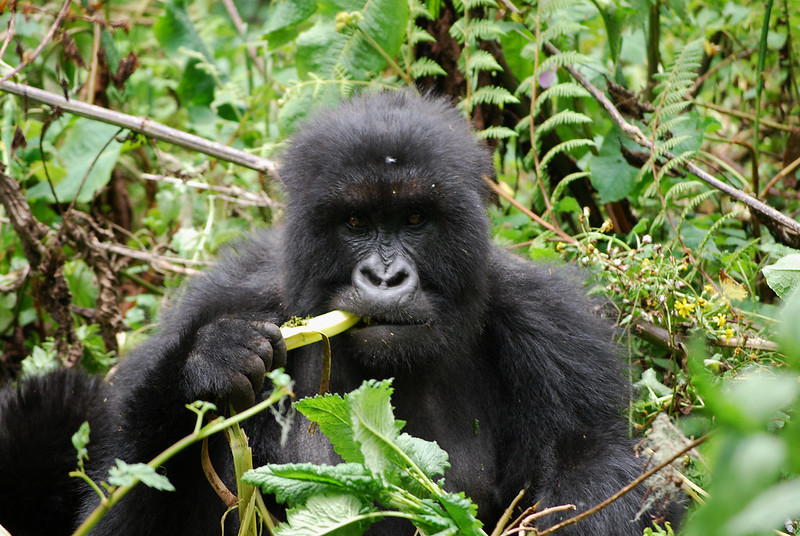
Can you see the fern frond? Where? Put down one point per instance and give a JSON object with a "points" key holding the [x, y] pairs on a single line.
{"points": [[712, 231], [426, 67], [472, 4], [563, 183], [499, 96], [564, 147], [663, 128], [676, 81], [564, 117], [564, 90], [497, 133], [568, 57], [549, 7], [565, 28], [481, 60], [681, 188], [669, 144], [417, 9], [418, 35], [671, 164], [694, 201], [486, 30]]}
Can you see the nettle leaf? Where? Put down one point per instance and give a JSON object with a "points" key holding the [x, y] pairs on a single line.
{"points": [[463, 512], [427, 455], [331, 413], [374, 425], [340, 515], [294, 483], [784, 276], [127, 474]]}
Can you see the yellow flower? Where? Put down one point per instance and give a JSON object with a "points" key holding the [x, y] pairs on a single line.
{"points": [[721, 320], [709, 289], [728, 334], [608, 225], [702, 302], [684, 309]]}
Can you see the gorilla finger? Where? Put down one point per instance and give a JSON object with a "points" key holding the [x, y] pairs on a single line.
{"points": [[255, 368], [273, 333], [241, 395]]}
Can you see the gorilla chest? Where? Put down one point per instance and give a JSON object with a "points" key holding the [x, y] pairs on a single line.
{"points": [[456, 415]]}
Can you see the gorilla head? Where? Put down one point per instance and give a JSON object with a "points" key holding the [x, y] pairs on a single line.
{"points": [[387, 213]]}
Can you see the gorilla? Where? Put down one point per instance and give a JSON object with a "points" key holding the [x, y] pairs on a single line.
{"points": [[499, 360]]}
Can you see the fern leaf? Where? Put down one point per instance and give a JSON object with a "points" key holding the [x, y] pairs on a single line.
{"points": [[568, 57], [481, 60], [564, 117], [426, 67], [498, 133], [564, 90], [478, 29], [566, 28], [472, 4], [564, 147], [499, 96], [563, 183], [418, 35]]}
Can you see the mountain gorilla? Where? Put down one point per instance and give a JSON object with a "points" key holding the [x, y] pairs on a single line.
{"points": [[499, 360]]}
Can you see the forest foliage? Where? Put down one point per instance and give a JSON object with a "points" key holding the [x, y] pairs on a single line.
{"points": [[654, 142]]}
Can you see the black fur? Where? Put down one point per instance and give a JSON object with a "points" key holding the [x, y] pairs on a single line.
{"points": [[386, 218]]}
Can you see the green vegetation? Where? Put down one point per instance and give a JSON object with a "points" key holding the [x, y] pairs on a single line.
{"points": [[656, 144]]}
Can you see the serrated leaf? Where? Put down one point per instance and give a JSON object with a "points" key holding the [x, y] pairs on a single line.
{"points": [[374, 426], [427, 455], [463, 512], [331, 413], [784, 276], [125, 474], [426, 67], [339, 515], [294, 483]]}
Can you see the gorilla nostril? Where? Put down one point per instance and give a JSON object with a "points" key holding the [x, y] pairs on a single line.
{"points": [[397, 279]]}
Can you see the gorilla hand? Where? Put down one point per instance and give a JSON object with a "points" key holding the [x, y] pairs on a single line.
{"points": [[229, 359]]}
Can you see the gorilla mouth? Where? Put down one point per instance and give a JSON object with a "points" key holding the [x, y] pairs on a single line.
{"points": [[378, 321]]}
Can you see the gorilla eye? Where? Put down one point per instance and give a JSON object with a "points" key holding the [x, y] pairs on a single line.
{"points": [[415, 217], [356, 221]]}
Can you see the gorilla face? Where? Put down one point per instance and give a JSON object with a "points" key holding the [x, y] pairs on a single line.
{"points": [[395, 231]]}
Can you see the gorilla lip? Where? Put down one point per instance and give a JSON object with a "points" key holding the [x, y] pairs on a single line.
{"points": [[368, 321]]}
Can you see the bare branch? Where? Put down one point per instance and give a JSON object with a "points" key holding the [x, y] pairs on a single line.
{"points": [[145, 126], [640, 138], [47, 38]]}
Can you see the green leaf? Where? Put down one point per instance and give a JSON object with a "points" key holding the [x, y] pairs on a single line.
{"points": [[174, 29], [41, 361], [77, 153], [294, 483], [80, 440], [127, 474], [331, 413], [612, 176], [339, 515], [769, 509], [374, 426], [330, 54], [784, 276], [463, 512], [427, 455], [287, 13]]}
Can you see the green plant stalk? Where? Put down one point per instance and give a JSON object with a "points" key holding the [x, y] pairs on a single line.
{"points": [[762, 56], [374, 44], [215, 426], [312, 330]]}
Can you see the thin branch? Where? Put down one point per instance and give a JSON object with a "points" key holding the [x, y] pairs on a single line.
{"points": [[640, 138], [238, 195], [532, 215], [47, 38], [10, 33], [644, 476], [233, 13], [147, 127]]}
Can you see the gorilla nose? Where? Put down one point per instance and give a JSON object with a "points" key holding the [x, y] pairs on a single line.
{"points": [[385, 283]]}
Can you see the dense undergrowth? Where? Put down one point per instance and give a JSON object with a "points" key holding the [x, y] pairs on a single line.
{"points": [[655, 143]]}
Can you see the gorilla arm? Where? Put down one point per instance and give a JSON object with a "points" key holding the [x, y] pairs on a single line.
{"points": [[560, 366], [214, 344]]}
